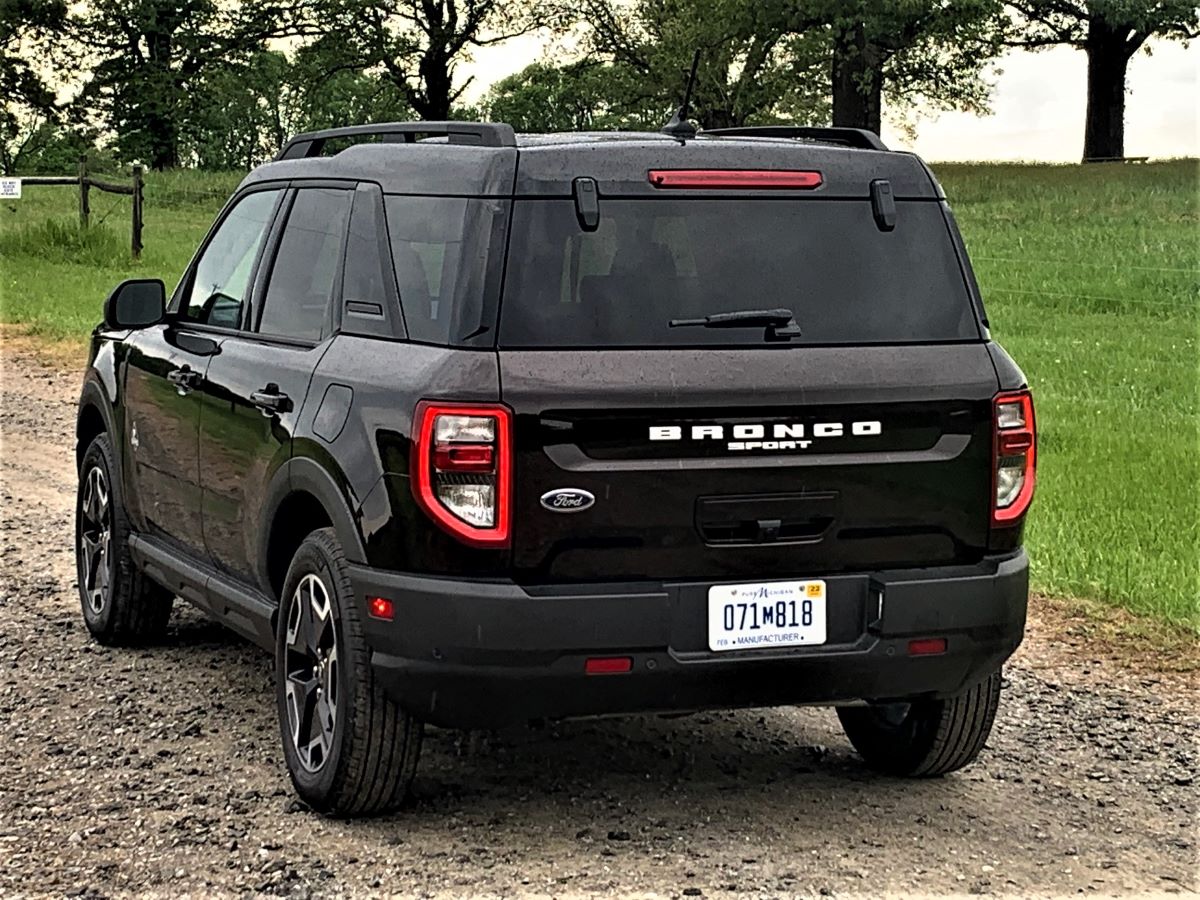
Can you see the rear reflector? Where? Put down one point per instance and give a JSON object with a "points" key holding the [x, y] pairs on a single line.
{"points": [[735, 179], [926, 646], [380, 608], [608, 665]]}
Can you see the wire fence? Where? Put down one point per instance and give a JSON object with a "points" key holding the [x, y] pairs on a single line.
{"points": [[1079, 263]]}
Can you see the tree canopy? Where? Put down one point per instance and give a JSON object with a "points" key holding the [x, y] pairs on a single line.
{"points": [[222, 83]]}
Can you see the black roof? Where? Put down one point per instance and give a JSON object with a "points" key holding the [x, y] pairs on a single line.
{"points": [[485, 159]]}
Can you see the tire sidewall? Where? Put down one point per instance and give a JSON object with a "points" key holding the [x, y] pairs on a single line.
{"points": [[313, 559]]}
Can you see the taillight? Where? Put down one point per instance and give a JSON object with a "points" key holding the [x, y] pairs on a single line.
{"points": [[735, 179], [462, 469], [1015, 451]]}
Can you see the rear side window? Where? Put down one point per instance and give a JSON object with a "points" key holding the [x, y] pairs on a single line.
{"points": [[299, 293], [654, 260], [447, 272]]}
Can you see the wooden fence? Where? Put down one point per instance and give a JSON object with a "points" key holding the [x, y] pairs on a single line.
{"points": [[87, 181]]}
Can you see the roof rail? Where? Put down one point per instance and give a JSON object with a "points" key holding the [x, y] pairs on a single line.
{"points": [[859, 138], [483, 134]]}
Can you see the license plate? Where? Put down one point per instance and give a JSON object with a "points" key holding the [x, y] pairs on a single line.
{"points": [[761, 616]]}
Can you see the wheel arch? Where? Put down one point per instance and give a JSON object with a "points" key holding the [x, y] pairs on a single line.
{"points": [[94, 418], [302, 497]]}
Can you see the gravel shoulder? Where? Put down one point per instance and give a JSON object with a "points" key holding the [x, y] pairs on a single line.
{"points": [[158, 770]]}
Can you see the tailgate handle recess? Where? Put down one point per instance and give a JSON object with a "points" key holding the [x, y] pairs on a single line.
{"points": [[769, 519]]}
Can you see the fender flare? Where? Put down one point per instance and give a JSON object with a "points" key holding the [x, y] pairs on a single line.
{"points": [[93, 395], [301, 473]]}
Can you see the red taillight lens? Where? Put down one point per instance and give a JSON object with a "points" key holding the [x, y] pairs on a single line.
{"points": [[462, 469], [734, 179], [1015, 455], [464, 457]]}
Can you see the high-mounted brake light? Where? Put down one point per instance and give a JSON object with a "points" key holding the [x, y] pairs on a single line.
{"points": [[735, 179], [1014, 444], [462, 469]]}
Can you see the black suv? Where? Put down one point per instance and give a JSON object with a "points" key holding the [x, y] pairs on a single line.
{"points": [[472, 428]]}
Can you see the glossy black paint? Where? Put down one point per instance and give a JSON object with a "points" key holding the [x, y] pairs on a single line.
{"points": [[917, 494], [243, 442], [218, 469], [164, 367]]}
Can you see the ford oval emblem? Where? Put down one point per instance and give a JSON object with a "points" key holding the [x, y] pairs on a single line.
{"points": [[567, 500]]}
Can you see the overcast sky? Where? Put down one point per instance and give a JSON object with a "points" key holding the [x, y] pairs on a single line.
{"points": [[1038, 105]]}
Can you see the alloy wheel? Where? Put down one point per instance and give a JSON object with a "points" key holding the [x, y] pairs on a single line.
{"points": [[311, 672], [95, 536]]}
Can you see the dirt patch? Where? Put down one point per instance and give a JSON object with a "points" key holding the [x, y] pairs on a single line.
{"points": [[158, 770]]}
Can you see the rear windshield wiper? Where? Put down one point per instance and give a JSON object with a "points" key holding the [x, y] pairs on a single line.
{"points": [[780, 324]]}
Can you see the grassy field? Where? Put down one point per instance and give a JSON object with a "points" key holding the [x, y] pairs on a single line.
{"points": [[1092, 280]]}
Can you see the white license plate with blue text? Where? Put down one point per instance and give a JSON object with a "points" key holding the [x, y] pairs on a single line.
{"points": [[761, 616]]}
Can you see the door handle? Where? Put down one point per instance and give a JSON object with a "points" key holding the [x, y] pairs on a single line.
{"points": [[270, 400], [184, 378]]}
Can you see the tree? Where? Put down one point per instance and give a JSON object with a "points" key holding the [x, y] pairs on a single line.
{"points": [[753, 68], [580, 96], [321, 92], [27, 28], [908, 51], [152, 58], [1110, 32], [416, 45]]}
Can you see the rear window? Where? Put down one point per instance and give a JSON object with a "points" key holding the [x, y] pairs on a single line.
{"points": [[653, 260]]}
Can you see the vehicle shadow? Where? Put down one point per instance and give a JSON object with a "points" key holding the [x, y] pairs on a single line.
{"points": [[731, 768]]}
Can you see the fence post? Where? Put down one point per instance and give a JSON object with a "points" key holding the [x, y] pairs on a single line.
{"points": [[136, 243], [85, 209]]}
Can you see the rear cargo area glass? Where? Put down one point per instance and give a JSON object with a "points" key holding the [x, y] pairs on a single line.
{"points": [[653, 260]]}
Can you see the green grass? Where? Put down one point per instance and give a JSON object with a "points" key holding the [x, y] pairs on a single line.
{"points": [[1091, 276], [54, 276]]}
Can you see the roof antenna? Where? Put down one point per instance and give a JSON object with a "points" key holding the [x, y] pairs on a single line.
{"points": [[679, 127]]}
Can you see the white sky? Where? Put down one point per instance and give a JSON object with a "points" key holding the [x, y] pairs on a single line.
{"points": [[1038, 105]]}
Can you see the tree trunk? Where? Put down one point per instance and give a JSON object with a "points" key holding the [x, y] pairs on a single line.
{"points": [[159, 101], [1108, 58], [433, 104], [857, 81]]}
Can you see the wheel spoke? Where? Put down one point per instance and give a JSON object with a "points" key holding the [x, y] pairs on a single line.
{"points": [[89, 549]]}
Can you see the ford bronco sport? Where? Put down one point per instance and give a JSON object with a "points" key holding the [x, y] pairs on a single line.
{"points": [[472, 428]]}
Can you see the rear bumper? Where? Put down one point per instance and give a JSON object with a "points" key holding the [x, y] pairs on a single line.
{"points": [[472, 654]]}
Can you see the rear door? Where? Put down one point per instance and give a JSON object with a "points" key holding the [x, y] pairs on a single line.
{"points": [[257, 385], [728, 453]]}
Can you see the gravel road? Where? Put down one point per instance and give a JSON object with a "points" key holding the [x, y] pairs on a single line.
{"points": [[158, 771]]}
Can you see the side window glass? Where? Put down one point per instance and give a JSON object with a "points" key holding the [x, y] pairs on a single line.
{"points": [[300, 290], [221, 282], [363, 281], [426, 236]]}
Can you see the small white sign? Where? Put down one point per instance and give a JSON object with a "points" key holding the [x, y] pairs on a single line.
{"points": [[10, 188]]}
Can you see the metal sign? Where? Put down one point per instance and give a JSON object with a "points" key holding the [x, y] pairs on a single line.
{"points": [[10, 188]]}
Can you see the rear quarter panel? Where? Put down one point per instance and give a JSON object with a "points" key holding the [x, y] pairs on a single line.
{"points": [[357, 425]]}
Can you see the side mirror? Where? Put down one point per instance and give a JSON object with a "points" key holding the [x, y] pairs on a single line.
{"points": [[136, 303]]}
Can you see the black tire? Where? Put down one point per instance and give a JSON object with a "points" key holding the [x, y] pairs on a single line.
{"points": [[926, 737], [121, 605], [364, 764]]}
